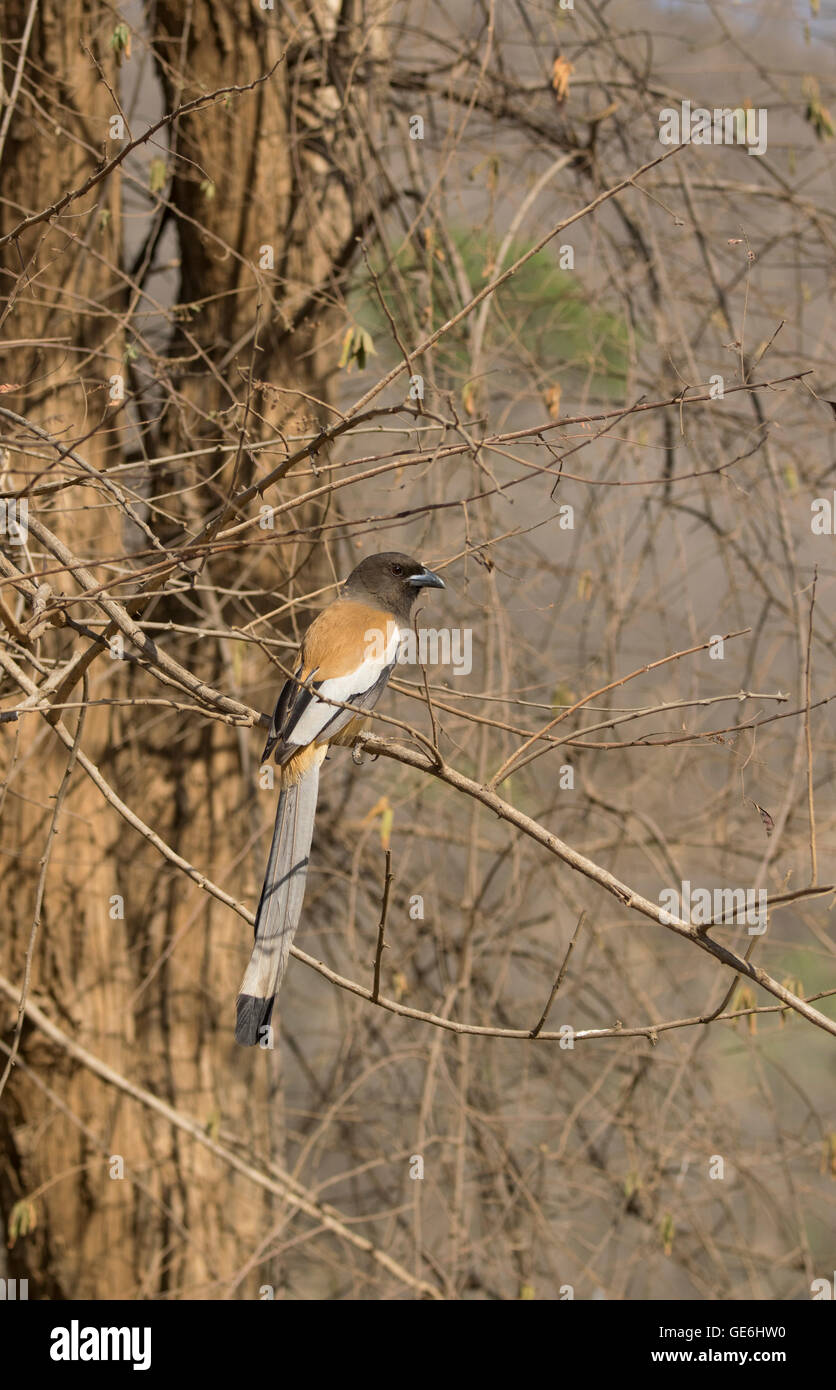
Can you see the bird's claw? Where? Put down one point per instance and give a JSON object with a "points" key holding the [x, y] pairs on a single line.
{"points": [[358, 751]]}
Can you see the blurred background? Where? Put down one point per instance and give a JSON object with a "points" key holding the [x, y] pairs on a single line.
{"points": [[622, 452]]}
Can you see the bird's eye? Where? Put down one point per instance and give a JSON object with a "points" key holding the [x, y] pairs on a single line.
{"points": [[397, 569]]}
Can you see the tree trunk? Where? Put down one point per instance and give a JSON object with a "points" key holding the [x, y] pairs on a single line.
{"points": [[137, 963]]}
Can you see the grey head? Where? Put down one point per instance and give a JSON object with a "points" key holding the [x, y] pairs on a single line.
{"points": [[391, 581]]}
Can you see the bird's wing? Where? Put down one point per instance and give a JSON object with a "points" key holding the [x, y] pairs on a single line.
{"points": [[347, 656]]}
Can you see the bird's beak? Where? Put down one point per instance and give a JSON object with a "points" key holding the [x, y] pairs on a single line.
{"points": [[426, 579]]}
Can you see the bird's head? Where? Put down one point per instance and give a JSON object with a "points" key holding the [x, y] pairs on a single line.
{"points": [[391, 580]]}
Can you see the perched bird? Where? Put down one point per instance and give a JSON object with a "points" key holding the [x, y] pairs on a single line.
{"points": [[346, 658]]}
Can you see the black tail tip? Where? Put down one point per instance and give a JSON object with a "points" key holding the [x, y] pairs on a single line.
{"points": [[252, 1024]]}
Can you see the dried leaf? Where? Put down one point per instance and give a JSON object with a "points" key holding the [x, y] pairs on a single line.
{"points": [[743, 998], [562, 70], [769, 824], [382, 808], [552, 399]]}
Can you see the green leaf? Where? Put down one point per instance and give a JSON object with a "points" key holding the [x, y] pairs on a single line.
{"points": [[666, 1232], [120, 42], [157, 175], [561, 698], [357, 346], [543, 309], [817, 115], [23, 1218]]}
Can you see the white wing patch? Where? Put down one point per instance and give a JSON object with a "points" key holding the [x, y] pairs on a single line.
{"points": [[345, 688]]}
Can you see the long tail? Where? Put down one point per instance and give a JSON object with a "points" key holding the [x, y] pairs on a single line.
{"points": [[279, 907]]}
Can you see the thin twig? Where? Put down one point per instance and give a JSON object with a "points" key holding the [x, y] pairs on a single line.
{"points": [[197, 104], [384, 908], [286, 1186], [807, 696], [39, 893], [537, 1029]]}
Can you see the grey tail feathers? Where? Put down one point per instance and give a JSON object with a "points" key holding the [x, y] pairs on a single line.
{"points": [[279, 909]]}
